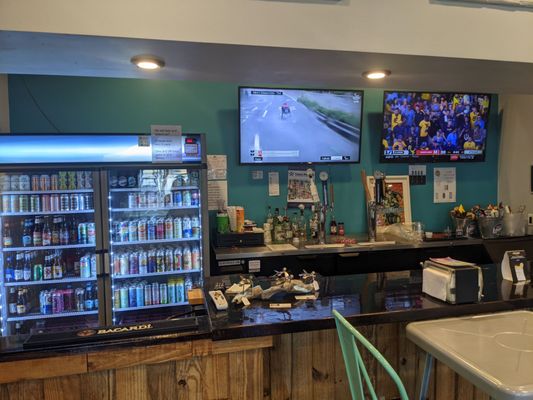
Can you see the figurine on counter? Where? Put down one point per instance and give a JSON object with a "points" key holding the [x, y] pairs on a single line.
{"points": [[285, 282]]}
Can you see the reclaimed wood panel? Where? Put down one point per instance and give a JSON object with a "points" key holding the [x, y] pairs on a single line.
{"points": [[246, 372], [323, 364], [161, 381], [42, 368], [387, 344], [465, 390], [301, 371], [63, 388], [216, 379], [480, 395], [131, 383], [445, 387], [342, 386], [96, 386], [281, 368], [407, 361], [189, 374], [370, 362]]}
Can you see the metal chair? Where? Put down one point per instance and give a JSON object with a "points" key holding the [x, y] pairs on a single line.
{"points": [[355, 368]]}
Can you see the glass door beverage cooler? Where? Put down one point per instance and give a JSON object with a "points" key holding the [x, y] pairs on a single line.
{"points": [[93, 233]]}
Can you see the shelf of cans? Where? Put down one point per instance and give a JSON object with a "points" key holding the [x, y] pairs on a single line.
{"points": [[152, 209], [156, 229], [54, 303], [49, 282], [139, 295], [149, 189], [176, 197], [60, 247], [155, 274]]}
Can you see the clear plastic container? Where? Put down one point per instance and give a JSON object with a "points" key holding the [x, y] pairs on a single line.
{"points": [[514, 225], [490, 227]]}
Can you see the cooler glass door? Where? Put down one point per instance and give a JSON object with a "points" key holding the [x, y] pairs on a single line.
{"points": [[155, 217], [48, 257]]}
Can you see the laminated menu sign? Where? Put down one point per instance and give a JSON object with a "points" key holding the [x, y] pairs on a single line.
{"points": [[166, 143]]}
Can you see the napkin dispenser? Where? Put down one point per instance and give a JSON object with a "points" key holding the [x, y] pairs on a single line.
{"points": [[455, 284]]}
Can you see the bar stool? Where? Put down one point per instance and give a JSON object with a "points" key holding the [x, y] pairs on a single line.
{"points": [[355, 368]]}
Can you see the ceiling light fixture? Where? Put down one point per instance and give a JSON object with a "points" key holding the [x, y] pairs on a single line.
{"points": [[148, 62], [377, 74]]}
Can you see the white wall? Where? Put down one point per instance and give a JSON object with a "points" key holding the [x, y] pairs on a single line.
{"points": [[415, 27], [4, 104], [516, 151]]}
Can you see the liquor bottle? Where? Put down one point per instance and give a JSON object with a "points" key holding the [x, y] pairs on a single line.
{"points": [[10, 269], [269, 218], [19, 268], [12, 301], [7, 238], [333, 226], [48, 268], [56, 222], [27, 233], [21, 302], [18, 328], [57, 268], [38, 232], [64, 234], [287, 229], [27, 267], [47, 233]]}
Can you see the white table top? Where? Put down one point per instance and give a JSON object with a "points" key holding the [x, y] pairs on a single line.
{"points": [[494, 352]]}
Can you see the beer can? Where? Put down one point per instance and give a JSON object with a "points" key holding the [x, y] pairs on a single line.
{"points": [[178, 228], [134, 263], [123, 231], [57, 302], [74, 202], [82, 233], [81, 202], [178, 259], [88, 180], [195, 198], [185, 179], [143, 263], [177, 181], [80, 299], [195, 258], [91, 233], [151, 229], [113, 181], [195, 227], [167, 200], [163, 294], [187, 198], [155, 293], [172, 292], [132, 231], [132, 200], [24, 203], [178, 198], [187, 258], [69, 302], [5, 182], [88, 199], [46, 202], [54, 182], [85, 267], [116, 264], [148, 294], [54, 202], [141, 199], [160, 229], [63, 178], [132, 296], [124, 301], [44, 182], [194, 179], [124, 264], [35, 203], [151, 199], [169, 228], [14, 203], [80, 179], [25, 182], [45, 298], [71, 179], [116, 298], [160, 259], [187, 227], [64, 202], [35, 183], [152, 261], [37, 272], [94, 267], [15, 182], [180, 290], [139, 290], [6, 203], [141, 230]]}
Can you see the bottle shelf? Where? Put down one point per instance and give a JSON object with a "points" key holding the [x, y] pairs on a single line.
{"points": [[153, 189], [26, 213], [151, 306], [165, 273], [44, 248], [46, 316], [50, 281], [65, 191], [156, 241], [143, 209]]}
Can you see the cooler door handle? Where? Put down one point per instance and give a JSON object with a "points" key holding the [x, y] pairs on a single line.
{"points": [[349, 255]]}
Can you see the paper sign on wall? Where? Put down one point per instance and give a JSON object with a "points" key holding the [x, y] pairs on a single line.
{"points": [[217, 195], [444, 185], [217, 166], [273, 183], [166, 143]]}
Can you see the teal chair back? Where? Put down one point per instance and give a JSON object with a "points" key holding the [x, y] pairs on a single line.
{"points": [[355, 368]]}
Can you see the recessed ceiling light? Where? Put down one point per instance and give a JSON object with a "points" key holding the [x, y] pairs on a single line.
{"points": [[377, 74], [148, 62]]}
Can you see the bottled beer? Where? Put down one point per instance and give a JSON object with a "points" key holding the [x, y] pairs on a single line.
{"points": [[7, 238], [48, 268], [27, 233], [57, 268], [47, 233], [38, 232], [21, 302], [10, 269], [27, 267], [19, 267], [12, 301], [333, 226], [64, 234], [55, 231]]}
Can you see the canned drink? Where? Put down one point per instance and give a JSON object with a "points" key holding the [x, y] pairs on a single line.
{"points": [[54, 202], [74, 202], [45, 298], [57, 302], [178, 228], [185, 179], [116, 298], [82, 233], [44, 182], [134, 263], [155, 293], [80, 178], [71, 178], [148, 294], [187, 198], [64, 202], [132, 231], [46, 202], [141, 230], [177, 181], [24, 203], [88, 180], [6, 203], [35, 183], [180, 290], [88, 199], [93, 266], [35, 203], [116, 264], [152, 261], [141, 199], [194, 178], [123, 231], [160, 229], [167, 200], [91, 233], [5, 182], [63, 180], [151, 199], [124, 301], [143, 263], [169, 228], [151, 229], [14, 202], [195, 198], [69, 301], [163, 294], [132, 296], [195, 227], [169, 260], [171, 292], [187, 258], [195, 258], [132, 181], [37, 272], [85, 267], [160, 258], [54, 182], [178, 259], [25, 182], [124, 264], [140, 295], [81, 202], [187, 227], [15, 182], [187, 286], [132, 200], [178, 199]]}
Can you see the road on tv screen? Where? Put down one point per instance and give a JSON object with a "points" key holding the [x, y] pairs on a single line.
{"points": [[264, 127]]}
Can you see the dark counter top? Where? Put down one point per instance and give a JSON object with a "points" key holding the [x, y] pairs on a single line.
{"points": [[364, 299]]}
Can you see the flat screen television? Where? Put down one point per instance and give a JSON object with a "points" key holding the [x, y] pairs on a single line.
{"points": [[295, 126], [434, 126]]}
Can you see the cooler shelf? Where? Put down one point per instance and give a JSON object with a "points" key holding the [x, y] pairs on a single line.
{"points": [[68, 246], [152, 189], [151, 306], [66, 191], [156, 241], [153, 208], [25, 213], [46, 316], [50, 281], [165, 273]]}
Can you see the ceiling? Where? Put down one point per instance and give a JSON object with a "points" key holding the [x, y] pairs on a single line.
{"points": [[72, 55]]}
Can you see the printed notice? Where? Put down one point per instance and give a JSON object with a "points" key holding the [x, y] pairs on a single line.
{"points": [[217, 195], [166, 143], [217, 167], [444, 185], [273, 183]]}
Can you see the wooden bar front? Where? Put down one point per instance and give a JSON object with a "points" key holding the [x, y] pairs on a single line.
{"points": [[306, 365]]}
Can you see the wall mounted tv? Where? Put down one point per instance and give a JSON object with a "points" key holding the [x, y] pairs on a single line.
{"points": [[294, 126], [434, 126]]}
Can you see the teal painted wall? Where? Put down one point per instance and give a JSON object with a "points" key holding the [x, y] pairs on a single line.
{"points": [[103, 105]]}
